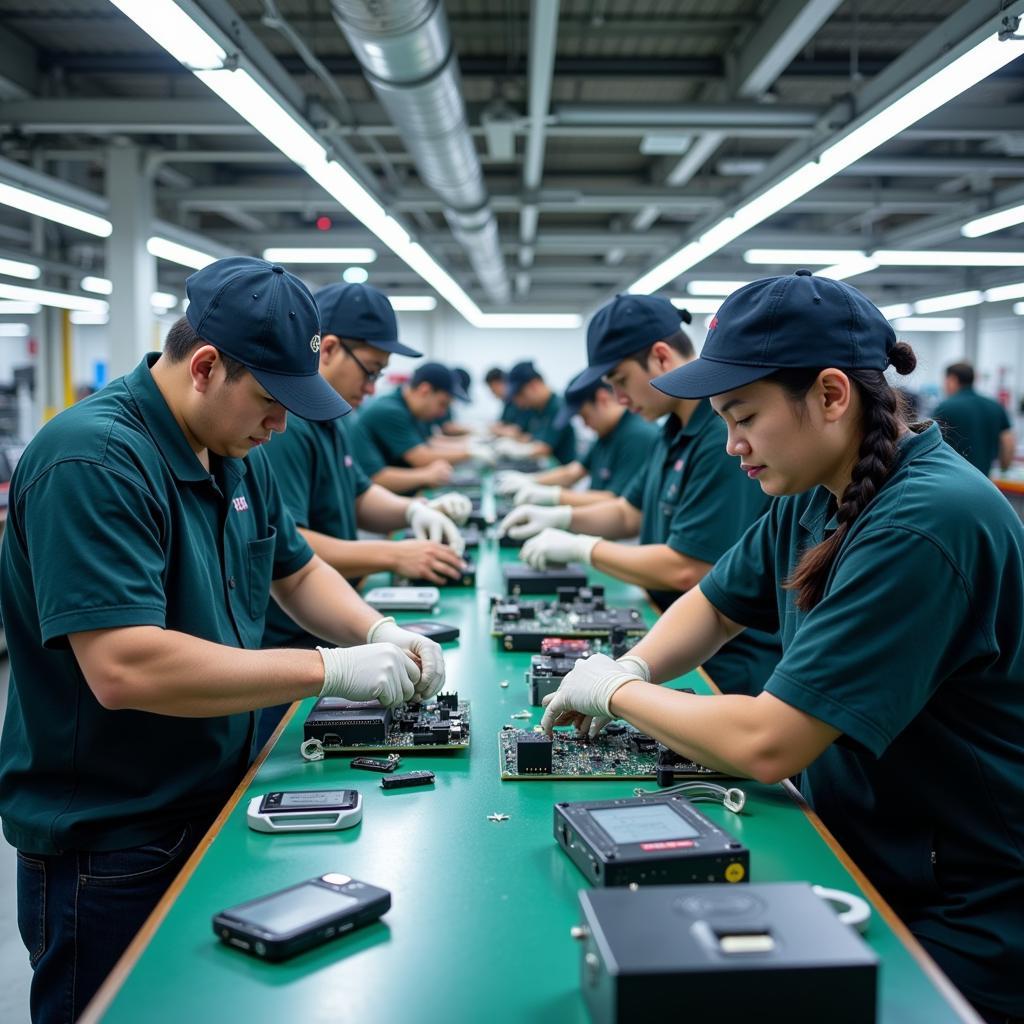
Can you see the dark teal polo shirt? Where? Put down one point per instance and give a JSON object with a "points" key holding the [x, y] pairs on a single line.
{"points": [[384, 431], [916, 654], [540, 425], [694, 498], [319, 482], [510, 414], [971, 424], [615, 459], [112, 522]]}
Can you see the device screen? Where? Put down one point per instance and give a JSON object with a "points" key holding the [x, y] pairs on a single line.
{"points": [[304, 906], [319, 798], [643, 824]]}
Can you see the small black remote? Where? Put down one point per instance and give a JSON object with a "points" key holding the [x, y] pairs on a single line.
{"points": [[417, 778], [375, 764]]}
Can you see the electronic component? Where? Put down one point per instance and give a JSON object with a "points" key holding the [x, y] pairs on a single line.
{"points": [[376, 764], [439, 631], [312, 810], [466, 578], [734, 954], [402, 599], [420, 777], [461, 479], [618, 752], [533, 753], [578, 613], [659, 839], [558, 657], [524, 579], [336, 725], [300, 917], [518, 465]]}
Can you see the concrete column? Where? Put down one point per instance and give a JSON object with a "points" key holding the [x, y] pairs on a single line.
{"points": [[129, 265], [50, 366], [972, 317]]}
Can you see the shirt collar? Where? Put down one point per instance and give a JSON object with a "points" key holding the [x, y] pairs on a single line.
{"points": [[165, 430], [675, 430]]}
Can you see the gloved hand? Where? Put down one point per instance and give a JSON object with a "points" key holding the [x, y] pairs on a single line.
{"points": [[482, 453], [538, 494], [527, 520], [557, 547], [632, 664], [454, 505], [510, 448], [585, 693], [508, 481], [429, 524], [373, 672], [425, 651]]}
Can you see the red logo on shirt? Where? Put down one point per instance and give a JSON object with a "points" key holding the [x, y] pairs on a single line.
{"points": [[348, 461], [713, 324], [678, 466], [241, 505]]}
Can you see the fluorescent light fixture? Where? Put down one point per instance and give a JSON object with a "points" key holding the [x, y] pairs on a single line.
{"points": [[13, 330], [1019, 308], [993, 222], [957, 300], [50, 209], [355, 275], [911, 324], [15, 268], [721, 288], [697, 305], [175, 31], [946, 258], [413, 303], [9, 307], [1004, 292], [163, 300], [321, 255], [801, 257], [175, 252], [943, 85], [898, 309], [97, 285], [62, 300], [80, 317], [847, 268]]}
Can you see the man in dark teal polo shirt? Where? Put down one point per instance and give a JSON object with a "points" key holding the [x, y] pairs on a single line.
{"points": [[142, 548], [689, 507], [619, 453], [395, 430], [976, 426], [548, 436], [511, 420]]}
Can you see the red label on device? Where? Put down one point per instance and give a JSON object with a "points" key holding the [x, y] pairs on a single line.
{"points": [[668, 844]]}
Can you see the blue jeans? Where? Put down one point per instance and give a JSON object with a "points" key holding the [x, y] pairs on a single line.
{"points": [[79, 910]]}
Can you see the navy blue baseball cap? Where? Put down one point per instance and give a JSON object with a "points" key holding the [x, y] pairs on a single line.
{"points": [[464, 379], [575, 395], [439, 377], [520, 374], [362, 313], [627, 324], [783, 323], [267, 320]]}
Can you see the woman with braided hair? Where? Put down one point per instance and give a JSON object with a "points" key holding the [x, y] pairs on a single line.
{"points": [[894, 573]]}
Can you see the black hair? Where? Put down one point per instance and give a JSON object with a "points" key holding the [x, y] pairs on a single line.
{"points": [[493, 374], [678, 342], [882, 417], [182, 341], [963, 372]]}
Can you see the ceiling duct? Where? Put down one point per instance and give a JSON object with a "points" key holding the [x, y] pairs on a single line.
{"points": [[405, 49]]}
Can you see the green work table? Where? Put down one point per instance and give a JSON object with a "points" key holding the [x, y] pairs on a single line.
{"points": [[481, 910]]}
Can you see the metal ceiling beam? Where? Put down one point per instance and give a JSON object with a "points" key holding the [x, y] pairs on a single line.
{"points": [[936, 166], [687, 116], [775, 42], [122, 116], [18, 66]]}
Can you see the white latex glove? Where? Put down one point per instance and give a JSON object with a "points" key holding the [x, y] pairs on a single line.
{"points": [[482, 453], [538, 494], [429, 524], [527, 520], [426, 651], [508, 481], [510, 448], [373, 672], [557, 547], [454, 505], [585, 693], [634, 665]]}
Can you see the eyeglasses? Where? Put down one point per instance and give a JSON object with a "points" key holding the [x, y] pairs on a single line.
{"points": [[371, 376]]}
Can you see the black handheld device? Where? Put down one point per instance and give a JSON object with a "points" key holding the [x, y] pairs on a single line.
{"points": [[441, 632], [421, 777], [295, 919]]}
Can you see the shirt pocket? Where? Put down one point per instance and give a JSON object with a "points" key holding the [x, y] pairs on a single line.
{"points": [[261, 569]]}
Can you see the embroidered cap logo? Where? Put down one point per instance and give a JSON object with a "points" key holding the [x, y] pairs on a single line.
{"points": [[314, 343]]}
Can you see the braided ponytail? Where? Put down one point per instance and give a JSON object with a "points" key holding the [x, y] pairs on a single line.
{"points": [[882, 418]]}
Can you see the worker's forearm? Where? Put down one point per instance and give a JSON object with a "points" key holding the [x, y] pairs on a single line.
{"points": [[654, 566], [609, 519], [351, 558]]}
